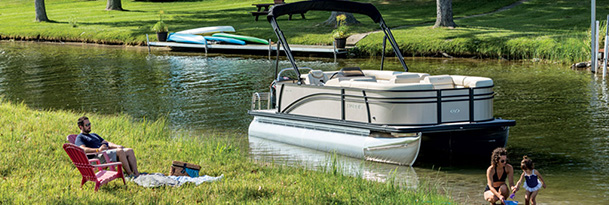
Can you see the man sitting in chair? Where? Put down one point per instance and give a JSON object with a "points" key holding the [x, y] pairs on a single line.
{"points": [[93, 143]]}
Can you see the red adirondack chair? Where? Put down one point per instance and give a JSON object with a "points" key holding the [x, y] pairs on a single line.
{"points": [[72, 139], [79, 158]]}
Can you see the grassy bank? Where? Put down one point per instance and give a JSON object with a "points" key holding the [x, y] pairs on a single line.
{"points": [[35, 169], [484, 42], [546, 29], [553, 30], [88, 21]]}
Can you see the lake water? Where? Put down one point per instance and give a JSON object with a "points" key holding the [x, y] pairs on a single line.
{"points": [[562, 115]]}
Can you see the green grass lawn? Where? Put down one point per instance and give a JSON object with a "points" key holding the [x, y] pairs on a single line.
{"points": [[546, 29], [553, 30], [34, 168]]}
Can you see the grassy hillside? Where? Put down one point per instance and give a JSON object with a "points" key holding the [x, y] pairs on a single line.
{"points": [[546, 29], [35, 169]]}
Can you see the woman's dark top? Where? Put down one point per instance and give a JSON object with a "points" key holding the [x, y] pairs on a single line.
{"points": [[496, 177]]}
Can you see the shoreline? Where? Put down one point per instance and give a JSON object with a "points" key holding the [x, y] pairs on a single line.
{"points": [[354, 53], [501, 29]]}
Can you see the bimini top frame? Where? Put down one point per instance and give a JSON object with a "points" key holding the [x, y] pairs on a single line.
{"points": [[329, 5]]}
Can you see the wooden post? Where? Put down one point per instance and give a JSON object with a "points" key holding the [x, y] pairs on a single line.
{"points": [[596, 47], [148, 43], [270, 49], [592, 34], [205, 47], [334, 50], [606, 48]]}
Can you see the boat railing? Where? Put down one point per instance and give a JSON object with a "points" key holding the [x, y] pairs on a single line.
{"points": [[258, 98], [471, 97]]}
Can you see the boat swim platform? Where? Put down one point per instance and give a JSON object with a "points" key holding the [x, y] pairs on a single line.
{"points": [[252, 48]]}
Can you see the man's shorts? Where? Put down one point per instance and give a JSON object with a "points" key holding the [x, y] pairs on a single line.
{"points": [[111, 154]]}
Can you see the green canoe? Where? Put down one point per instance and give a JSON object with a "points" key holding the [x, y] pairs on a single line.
{"points": [[243, 38]]}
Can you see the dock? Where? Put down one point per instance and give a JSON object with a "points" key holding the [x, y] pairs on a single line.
{"points": [[252, 48]]}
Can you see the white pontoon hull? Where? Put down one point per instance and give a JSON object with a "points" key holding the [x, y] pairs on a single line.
{"points": [[353, 142]]}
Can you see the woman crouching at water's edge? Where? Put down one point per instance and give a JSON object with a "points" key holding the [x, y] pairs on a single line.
{"points": [[496, 174]]}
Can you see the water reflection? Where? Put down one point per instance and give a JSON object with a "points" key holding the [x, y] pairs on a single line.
{"points": [[281, 153]]}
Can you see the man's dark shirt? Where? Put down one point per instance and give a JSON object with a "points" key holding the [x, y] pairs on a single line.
{"points": [[90, 140]]}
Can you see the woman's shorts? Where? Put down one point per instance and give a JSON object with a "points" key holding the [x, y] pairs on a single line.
{"points": [[487, 188]]}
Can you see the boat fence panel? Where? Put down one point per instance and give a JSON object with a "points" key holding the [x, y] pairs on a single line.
{"points": [[258, 98], [391, 107]]}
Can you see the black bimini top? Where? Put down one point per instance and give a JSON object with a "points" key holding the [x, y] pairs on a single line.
{"points": [[330, 5], [325, 5]]}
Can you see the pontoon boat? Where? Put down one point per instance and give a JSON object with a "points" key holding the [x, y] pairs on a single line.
{"points": [[377, 115]]}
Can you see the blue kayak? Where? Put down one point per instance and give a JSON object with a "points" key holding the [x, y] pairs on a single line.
{"points": [[186, 38], [243, 38], [224, 40]]}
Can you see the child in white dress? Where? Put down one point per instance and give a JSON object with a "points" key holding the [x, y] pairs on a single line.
{"points": [[532, 181]]}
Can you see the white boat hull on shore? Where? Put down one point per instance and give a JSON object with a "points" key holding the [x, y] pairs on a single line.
{"points": [[209, 29]]}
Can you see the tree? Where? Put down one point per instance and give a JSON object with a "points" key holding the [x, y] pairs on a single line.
{"points": [[41, 12], [332, 20], [445, 14], [114, 5]]}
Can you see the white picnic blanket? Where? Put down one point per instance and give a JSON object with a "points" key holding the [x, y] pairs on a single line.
{"points": [[158, 179]]}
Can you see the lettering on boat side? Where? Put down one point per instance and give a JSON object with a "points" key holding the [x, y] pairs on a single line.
{"points": [[355, 106], [455, 111]]}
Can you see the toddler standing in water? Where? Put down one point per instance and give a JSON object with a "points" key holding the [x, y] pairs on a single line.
{"points": [[532, 181]]}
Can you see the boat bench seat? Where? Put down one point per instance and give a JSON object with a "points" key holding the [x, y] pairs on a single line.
{"points": [[471, 81], [405, 78], [337, 80], [457, 81], [381, 74], [440, 81], [395, 80], [385, 86], [315, 77], [395, 76]]}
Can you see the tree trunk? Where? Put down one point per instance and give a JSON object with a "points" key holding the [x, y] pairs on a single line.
{"points": [[332, 19], [41, 11], [445, 14], [114, 5]]}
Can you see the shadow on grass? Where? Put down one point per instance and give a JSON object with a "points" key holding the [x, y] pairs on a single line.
{"points": [[514, 157], [49, 21], [244, 23], [135, 11], [296, 27]]}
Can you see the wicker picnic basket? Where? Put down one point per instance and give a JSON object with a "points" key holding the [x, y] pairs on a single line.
{"points": [[179, 168]]}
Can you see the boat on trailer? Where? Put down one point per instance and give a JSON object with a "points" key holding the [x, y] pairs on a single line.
{"points": [[377, 115]]}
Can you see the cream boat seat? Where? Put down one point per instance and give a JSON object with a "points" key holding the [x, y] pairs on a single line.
{"points": [[395, 76], [316, 77], [405, 78], [386, 86], [471, 81], [337, 80], [440, 81], [371, 83]]}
